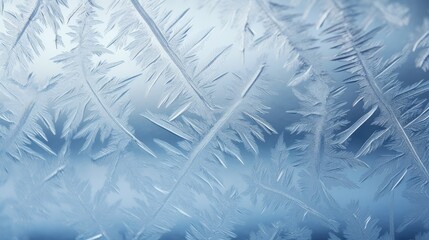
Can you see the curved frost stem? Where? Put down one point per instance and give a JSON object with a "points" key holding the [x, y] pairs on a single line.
{"points": [[109, 114], [192, 159], [156, 32]]}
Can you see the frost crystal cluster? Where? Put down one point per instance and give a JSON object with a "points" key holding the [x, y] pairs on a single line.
{"points": [[214, 119]]}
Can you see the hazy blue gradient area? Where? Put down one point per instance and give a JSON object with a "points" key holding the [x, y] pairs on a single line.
{"points": [[214, 119]]}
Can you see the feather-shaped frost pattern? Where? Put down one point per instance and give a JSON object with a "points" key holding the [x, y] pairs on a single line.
{"points": [[208, 152], [380, 87], [22, 40], [26, 123], [214, 119], [93, 97], [321, 157], [162, 45]]}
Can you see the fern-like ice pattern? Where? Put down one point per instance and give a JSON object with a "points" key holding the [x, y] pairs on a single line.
{"points": [[214, 119]]}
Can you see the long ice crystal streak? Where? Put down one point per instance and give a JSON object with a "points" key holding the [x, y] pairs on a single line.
{"points": [[188, 80]]}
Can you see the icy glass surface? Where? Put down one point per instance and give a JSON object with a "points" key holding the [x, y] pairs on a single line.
{"points": [[214, 119]]}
